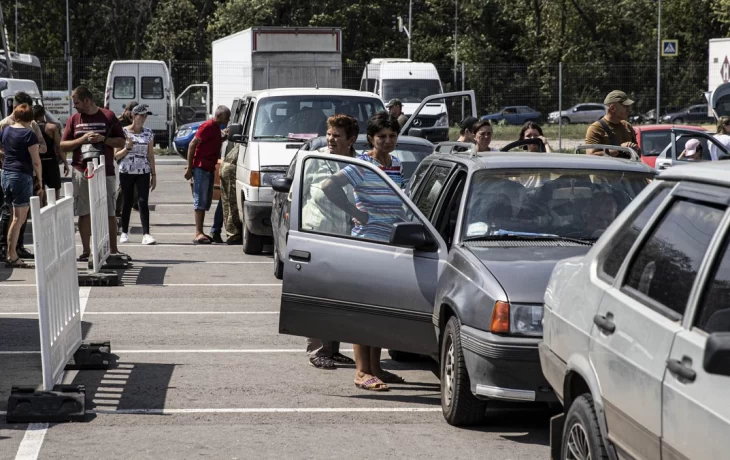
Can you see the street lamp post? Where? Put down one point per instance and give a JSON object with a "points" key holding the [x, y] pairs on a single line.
{"points": [[68, 62], [456, 34], [410, 25], [658, 58]]}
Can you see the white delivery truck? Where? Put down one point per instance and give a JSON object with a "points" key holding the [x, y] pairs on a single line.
{"points": [[410, 82], [718, 91], [56, 102], [146, 82], [275, 57]]}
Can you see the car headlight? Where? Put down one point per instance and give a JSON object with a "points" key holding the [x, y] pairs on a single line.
{"points": [[443, 121], [185, 132], [526, 319], [667, 117], [267, 178]]}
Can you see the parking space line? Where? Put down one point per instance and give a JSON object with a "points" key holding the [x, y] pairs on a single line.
{"points": [[263, 410], [152, 313], [32, 442], [178, 284], [212, 350]]}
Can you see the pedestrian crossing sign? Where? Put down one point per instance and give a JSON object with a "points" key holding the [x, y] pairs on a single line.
{"points": [[670, 47]]}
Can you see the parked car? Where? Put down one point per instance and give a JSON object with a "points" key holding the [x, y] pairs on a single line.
{"points": [[514, 115], [693, 114], [184, 136], [462, 275], [410, 150], [712, 149], [581, 113], [653, 139], [637, 331], [643, 118]]}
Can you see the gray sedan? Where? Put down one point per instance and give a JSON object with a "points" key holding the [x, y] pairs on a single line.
{"points": [[456, 270]]}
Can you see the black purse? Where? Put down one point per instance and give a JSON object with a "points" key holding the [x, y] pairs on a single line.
{"points": [[91, 152]]}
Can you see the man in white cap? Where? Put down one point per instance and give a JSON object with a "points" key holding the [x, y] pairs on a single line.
{"points": [[692, 151], [613, 128]]}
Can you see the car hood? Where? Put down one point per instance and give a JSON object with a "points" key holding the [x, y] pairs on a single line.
{"points": [[432, 108], [524, 272], [275, 153], [193, 125], [490, 116]]}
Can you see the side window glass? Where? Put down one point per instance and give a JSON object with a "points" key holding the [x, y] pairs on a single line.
{"points": [[446, 222], [432, 189], [417, 176], [665, 268], [713, 314], [152, 88], [343, 199], [292, 167], [123, 88], [627, 236]]}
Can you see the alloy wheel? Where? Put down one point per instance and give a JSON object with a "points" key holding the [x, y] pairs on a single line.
{"points": [[578, 447], [449, 373]]}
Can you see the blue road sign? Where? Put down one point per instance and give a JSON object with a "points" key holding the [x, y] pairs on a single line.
{"points": [[670, 48]]}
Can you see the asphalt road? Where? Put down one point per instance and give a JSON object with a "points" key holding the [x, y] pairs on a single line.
{"points": [[200, 370]]}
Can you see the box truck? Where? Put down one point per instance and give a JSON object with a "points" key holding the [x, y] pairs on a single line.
{"points": [[275, 57], [718, 91]]}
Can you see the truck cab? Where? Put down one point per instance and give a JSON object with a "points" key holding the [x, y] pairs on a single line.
{"points": [[267, 128]]}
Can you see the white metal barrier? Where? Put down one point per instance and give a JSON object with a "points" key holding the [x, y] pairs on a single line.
{"points": [[100, 248], [57, 285]]}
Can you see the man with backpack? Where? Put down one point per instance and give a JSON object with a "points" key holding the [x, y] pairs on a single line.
{"points": [[613, 128]]}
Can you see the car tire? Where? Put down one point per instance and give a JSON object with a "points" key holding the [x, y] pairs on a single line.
{"points": [[565, 120], [581, 433], [677, 121], [252, 244], [404, 356], [460, 406], [278, 265]]}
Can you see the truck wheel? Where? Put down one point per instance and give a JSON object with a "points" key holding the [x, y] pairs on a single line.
{"points": [[581, 435], [252, 244], [566, 120], [278, 265], [459, 405]]}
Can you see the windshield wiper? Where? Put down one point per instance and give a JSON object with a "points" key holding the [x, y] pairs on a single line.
{"points": [[272, 136], [502, 235]]}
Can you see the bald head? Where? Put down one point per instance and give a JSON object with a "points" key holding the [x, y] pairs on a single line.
{"points": [[222, 114]]}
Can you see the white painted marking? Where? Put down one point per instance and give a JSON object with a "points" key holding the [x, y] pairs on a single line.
{"points": [[31, 444], [84, 292], [214, 350], [264, 410], [110, 390], [122, 313], [180, 284]]}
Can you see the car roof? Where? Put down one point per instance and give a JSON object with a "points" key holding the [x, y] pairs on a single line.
{"points": [[530, 160], [667, 127], [310, 92], [709, 172]]}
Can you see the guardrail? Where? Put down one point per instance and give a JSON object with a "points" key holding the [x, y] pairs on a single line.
{"points": [[100, 249]]}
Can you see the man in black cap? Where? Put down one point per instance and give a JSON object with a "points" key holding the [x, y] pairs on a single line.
{"points": [[613, 128], [466, 133], [395, 108]]}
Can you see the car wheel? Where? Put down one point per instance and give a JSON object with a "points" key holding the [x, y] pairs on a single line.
{"points": [[582, 438], [565, 120], [252, 244], [677, 121], [403, 356], [278, 265], [459, 405]]}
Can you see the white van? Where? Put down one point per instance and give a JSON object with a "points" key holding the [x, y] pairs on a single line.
{"points": [[411, 82], [147, 82], [9, 87]]}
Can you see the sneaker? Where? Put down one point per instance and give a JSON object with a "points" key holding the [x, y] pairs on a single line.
{"points": [[339, 358], [124, 238], [24, 253], [217, 238], [322, 362], [148, 239]]}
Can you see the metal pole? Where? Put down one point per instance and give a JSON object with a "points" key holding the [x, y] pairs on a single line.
{"points": [[456, 36], [560, 106], [8, 61], [69, 67], [16, 26], [658, 59], [463, 87], [367, 79], [410, 29]]}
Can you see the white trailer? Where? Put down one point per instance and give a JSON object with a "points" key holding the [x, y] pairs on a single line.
{"points": [[718, 77], [275, 57]]}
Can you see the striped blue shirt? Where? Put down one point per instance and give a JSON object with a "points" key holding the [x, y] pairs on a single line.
{"points": [[374, 196]]}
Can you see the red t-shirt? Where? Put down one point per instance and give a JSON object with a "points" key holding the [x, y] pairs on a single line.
{"points": [[103, 122], [208, 151]]}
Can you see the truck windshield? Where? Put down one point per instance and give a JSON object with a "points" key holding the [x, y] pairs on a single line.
{"points": [[304, 117], [410, 91]]}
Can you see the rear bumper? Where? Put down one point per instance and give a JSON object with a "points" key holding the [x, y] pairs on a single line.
{"points": [[505, 368], [257, 217], [553, 368]]}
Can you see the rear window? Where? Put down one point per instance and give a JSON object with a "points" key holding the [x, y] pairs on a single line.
{"points": [[123, 88], [152, 88], [654, 142]]}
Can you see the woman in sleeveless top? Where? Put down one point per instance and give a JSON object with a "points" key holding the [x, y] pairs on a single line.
{"points": [[53, 155]]}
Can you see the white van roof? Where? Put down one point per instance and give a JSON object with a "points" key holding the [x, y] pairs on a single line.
{"points": [[139, 61], [381, 60], [408, 71], [15, 85]]}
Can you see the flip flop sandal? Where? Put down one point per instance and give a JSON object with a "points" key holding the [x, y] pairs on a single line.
{"points": [[83, 258], [389, 377], [372, 384], [339, 358], [203, 241], [17, 263]]}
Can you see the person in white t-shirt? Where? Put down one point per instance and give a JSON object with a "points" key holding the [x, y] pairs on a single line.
{"points": [[723, 136]]}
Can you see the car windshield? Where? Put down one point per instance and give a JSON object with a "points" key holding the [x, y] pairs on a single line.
{"points": [[541, 203], [285, 118], [410, 91]]}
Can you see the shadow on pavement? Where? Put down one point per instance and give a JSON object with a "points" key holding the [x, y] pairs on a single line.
{"points": [[525, 425]]}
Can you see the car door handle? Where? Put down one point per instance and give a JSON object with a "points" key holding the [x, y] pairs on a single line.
{"points": [[677, 367], [606, 325], [300, 256]]}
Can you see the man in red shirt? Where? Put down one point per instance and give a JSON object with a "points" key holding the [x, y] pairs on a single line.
{"points": [[203, 154], [92, 125]]}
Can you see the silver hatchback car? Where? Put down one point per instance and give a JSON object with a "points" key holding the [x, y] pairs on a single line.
{"points": [[637, 332]]}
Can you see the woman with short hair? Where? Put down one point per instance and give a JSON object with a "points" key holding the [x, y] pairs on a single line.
{"points": [[531, 130], [22, 159]]}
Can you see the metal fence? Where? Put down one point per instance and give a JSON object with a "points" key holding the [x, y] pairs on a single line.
{"points": [[496, 85]]}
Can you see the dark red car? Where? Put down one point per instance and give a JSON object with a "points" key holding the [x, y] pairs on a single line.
{"points": [[653, 139]]}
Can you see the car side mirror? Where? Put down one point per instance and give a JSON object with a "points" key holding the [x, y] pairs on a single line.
{"points": [[415, 132], [717, 354], [411, 235], [235, 133], [282, 184]]}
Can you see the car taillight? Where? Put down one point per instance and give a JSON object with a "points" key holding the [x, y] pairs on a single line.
{"points": [[500, 318]]}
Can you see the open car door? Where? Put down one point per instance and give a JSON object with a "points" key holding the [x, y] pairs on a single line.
{"points": [[371, 284], [193, 104], [453, 108], [712, 149]]}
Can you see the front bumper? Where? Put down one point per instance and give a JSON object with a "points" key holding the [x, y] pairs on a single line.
{"points": [[257, 217], [181, 147], [504, 368], [553, 368]]}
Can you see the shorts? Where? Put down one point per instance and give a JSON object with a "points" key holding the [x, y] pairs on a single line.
{"points": [[51, 174], [82, 205], [17, 188], [202, 189]]}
